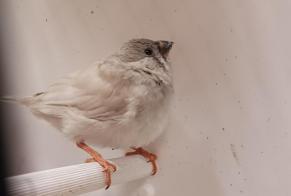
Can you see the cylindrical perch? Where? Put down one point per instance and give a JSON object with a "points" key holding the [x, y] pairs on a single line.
{"points": [[77, 179]]}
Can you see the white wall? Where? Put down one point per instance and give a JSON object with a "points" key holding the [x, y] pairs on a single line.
{"points": [[230, 130]]}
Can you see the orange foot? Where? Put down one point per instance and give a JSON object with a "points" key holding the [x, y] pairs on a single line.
{"points": [[108, 167], [150, 156]]}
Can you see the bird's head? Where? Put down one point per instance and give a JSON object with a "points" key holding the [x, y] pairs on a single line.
{"points": [[140, 49]]}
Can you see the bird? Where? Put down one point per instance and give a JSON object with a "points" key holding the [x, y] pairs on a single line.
{"points": [[122, 101]]}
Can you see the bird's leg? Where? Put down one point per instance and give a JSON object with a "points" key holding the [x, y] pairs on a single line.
{"points": [[150, 156], [89, 160], [99, 159]]}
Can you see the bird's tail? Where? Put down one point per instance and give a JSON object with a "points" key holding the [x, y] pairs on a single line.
{"points": [[23, 101], [8, 99]]}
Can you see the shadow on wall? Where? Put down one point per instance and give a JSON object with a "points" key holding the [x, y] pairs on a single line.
{"points": [[3, 157], [3, 163]]}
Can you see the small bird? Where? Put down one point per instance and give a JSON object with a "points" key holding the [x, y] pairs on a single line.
{"points": [[120, 102]]}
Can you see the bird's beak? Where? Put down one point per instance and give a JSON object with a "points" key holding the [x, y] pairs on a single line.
{"points": [[165, 47]]}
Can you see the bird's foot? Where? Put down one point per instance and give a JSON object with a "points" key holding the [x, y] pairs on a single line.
{"points": [[96, 157], [111, 165], [149, 156]]}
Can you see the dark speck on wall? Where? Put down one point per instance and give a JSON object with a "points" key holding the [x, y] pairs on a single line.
{"points": [[46, 20], [92, 12], [223, 128], [234, 153]]}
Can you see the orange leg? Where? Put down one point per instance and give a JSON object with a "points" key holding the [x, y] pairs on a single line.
{"points": [[98, 158], [150, 156]]}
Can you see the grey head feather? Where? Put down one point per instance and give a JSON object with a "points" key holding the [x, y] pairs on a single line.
{"points": [[147, 58], [134, 50], [137, 49]]}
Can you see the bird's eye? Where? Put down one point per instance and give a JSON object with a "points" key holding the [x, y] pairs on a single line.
{"points": [[148, 51]]}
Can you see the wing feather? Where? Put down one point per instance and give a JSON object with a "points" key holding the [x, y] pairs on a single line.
{"points": [[86, 93]]}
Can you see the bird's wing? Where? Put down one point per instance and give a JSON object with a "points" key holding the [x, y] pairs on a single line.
{"points": [[87, 93]]}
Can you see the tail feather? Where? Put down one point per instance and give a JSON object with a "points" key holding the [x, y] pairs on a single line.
{"points": [[27, 101], [8, 99], [23, 101]]}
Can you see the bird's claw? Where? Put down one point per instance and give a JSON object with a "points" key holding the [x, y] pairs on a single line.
{"points": [[108, 167], [150, 156], [107, 172], [112, 166]]}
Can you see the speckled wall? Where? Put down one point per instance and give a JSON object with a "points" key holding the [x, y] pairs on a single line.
{"points": [[230, 127]]}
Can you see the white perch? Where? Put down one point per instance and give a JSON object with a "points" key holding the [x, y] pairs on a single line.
{"points": [[77, 179]]}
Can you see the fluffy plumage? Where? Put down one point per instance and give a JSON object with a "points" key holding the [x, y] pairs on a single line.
{"points": [[122, 101]]}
